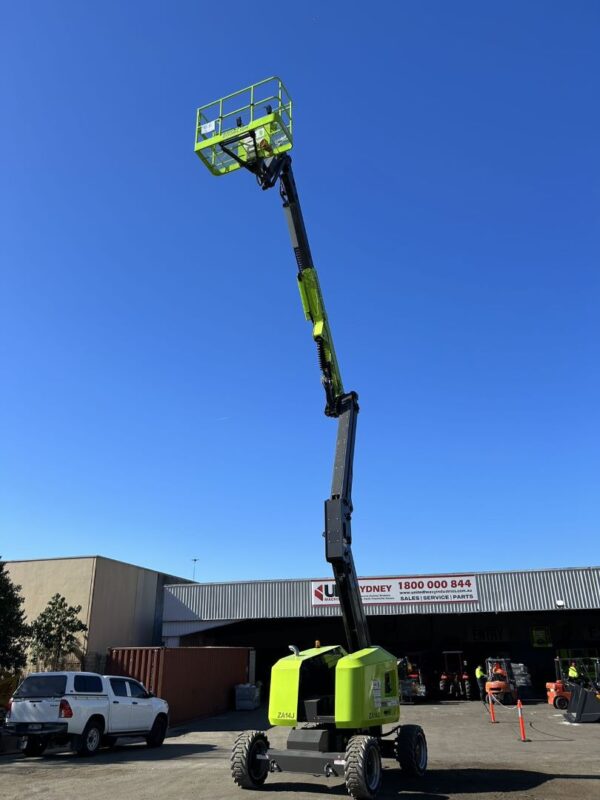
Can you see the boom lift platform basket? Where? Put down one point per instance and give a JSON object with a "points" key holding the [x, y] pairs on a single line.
{"points": [[238, 128]]}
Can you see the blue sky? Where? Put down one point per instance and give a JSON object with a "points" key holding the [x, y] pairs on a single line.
{"points": [[160, 395]]}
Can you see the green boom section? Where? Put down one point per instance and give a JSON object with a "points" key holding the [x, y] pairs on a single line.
{"points": [[313, 306], [364, 686]]}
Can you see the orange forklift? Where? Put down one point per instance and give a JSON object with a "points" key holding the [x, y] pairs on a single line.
{"points": [[560, 691], [455, 683], [501, 683]]}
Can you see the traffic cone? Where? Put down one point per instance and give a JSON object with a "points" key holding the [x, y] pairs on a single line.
{"points": [[521, 721]]}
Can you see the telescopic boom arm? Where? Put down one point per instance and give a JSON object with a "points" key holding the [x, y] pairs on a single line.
{"points": [[340, 404], [344, 406]]}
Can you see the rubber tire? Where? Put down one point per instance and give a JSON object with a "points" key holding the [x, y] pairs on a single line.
{"points": [[35, 746], [158, 732], [561, 703], [83, 747], [362, 752], [409, 746], [244, 770]]}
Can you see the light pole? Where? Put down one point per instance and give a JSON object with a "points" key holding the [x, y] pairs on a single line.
{"points": [[194, 569]]}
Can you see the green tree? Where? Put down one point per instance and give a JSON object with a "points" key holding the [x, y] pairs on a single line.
{"points": [[14, 632], [54, 633]]}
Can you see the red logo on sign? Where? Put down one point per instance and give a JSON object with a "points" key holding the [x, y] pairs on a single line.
{"points": [[319, 592]]}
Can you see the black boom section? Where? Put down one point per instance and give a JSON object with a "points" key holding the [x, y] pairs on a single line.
{"points": [[338, 528]]}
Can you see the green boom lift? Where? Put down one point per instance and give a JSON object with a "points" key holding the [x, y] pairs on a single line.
{"points": [[345, 697]]}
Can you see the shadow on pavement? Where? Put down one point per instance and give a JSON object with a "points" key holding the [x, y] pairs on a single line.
{"points": [[439, 784], [230, 721], [118, 754]]}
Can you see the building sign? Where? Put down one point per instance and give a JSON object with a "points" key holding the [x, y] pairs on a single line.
{"points": [[402, 589]]}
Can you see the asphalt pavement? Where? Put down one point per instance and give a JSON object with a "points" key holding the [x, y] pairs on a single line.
{"points": [[469, 758]]}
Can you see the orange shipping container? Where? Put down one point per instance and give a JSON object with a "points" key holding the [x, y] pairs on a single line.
{"points": [[195, 681]]}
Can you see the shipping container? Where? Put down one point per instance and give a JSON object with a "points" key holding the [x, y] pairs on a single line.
{"points": [[195, 681]]}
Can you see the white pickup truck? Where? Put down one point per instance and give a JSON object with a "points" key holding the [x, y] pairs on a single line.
{"points": [[85, 710]]}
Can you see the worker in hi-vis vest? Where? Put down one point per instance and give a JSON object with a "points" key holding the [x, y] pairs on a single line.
{"points": [[480, 677], [573, 672]]}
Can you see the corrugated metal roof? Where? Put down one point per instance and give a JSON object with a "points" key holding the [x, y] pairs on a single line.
{"points": [[532, 590]]}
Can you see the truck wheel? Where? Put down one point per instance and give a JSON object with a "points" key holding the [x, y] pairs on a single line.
{"points": [[35, 745], [561, 702], [157, 733], [363, 767], [411, 750], [247, 769], [90, 739]]}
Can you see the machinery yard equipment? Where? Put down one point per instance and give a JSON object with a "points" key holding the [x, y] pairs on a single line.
{"points": [[455, 683], [501, 683], [410, 680], [345, 696], [558, 692], [584, 703]]}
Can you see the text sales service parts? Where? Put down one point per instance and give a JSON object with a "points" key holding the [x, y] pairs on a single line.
{"points": [[402, 589]]}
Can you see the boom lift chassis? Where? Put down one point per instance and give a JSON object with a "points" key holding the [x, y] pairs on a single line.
{"points": [[345, 696]]}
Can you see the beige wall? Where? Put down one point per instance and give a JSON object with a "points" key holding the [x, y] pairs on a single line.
{"points": [[40, 580], [118, 601], [123, 606]]}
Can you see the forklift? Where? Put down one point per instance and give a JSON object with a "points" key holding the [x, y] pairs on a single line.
{"points": [[501, 683], [455, 683], [410, 680], [558, 691], [336, 700], [584, 699]]}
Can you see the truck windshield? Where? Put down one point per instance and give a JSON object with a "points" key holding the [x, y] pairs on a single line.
{"points": [[42, 686]]}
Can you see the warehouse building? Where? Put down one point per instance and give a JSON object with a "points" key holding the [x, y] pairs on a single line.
{"points": [[121, 604], [529, 616]]}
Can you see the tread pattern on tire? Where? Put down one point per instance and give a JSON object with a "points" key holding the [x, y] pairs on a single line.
{"points": [[405, 749], [356, 753], [239, 759]]}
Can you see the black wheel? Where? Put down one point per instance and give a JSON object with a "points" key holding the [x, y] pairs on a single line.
{"points": [[363, 767], [468, 690], [158, 732], [35, 745], [90, 740], [561, 702], [411, 750], [249, 759]]}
